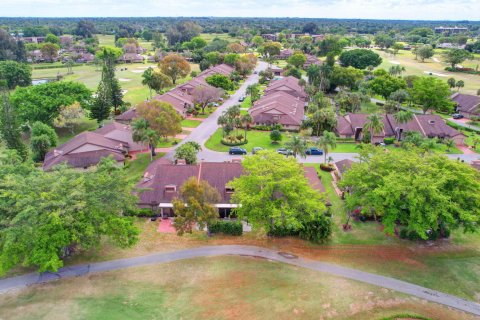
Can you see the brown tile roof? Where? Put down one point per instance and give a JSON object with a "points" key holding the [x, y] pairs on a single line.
{"points": [[343, 165], [287, 84], [428, 125], [290, 110], [466, 102], [88, 148], [160, 175], [127, 116]]}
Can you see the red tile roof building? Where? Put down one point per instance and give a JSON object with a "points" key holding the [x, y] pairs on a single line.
{"points": [[467, 105]]}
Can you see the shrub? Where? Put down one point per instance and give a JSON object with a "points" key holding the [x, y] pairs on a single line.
{"points": [[233, 228], [280, 231], [403, 234], [317, 230], [389, 140]]}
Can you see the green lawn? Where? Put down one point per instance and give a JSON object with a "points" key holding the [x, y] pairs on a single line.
{"points": [[82, 125], [247, 103], [136, 168], [223, 36], [130, 78], [187, 123], [214, 288], [106, 39]]}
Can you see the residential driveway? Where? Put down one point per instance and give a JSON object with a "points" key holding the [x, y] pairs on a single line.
{"points": [[353, 274], [463, 123], [201, 133]]}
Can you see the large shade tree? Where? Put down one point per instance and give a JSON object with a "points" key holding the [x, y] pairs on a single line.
{"points": [[175, 66], [441, 194]]}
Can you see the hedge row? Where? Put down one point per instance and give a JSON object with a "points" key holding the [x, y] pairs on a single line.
{"points": [[233, 228], [226, 143]]}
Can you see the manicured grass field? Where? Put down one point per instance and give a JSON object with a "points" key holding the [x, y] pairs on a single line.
{"points": [[247, 103], [106, 39], [130, 78], [187, 123], [214, 288], [437, 68], [167, 144], [223, 36]]}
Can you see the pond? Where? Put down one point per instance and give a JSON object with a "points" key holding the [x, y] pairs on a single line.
{"points": [[36, 82]]}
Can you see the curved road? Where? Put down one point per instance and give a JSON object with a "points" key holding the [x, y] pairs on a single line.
{"points": [[353, 274]]}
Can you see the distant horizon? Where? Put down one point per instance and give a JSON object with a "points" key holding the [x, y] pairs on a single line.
{"points": [[408, 10]]}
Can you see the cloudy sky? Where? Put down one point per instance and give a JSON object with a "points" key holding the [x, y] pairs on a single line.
{"points": [[365, 9]]}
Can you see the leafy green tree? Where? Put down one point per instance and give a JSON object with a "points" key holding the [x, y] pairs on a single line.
{"points": [[276, 136], [298, 146], [274, 192], [9, 125], [39, 128], [220, 81], [161, 117], [272, 49], [40, 146], [384, 40], [175, 66], [258, 41], [327, 141], [85, 29], [43, 102], [76, 210], [456, 56], [396, 47], [442, 194], [298, 59], [432, 94], [425, 52], [360, 58], [15, 74], [451, 82], [322, 119], [188, 151], [195, 43], [231, 58], [374, 125], [345, 77], [51, 38], [203, 96], [195, 206], [385, 85], [155, 80], [253, 91], [49, 51]]}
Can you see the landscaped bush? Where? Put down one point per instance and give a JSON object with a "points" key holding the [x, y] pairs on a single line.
{"points": [[283, 232], [234, 141], [327, 167], [389, 140], [432, 235], [406, 316], [233, 228], [463, 70], [317, 230]]}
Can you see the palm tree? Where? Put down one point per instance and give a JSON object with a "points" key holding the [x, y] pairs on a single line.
{"points": [[374, 125], [298, 146], [148, 79], [142, 133], [246, 119], [403, 117], [460, 84], [449, 143], [328, 140]]}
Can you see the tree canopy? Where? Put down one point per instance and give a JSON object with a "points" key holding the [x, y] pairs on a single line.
{"points": [[441, 193], [360, 58], [45, 217], [161, 117], [15, 74]]}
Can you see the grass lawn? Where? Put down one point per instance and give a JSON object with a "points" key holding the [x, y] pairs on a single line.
{"points": [[223, 36], [214, 288], [247, 103], [169, 143], [187, 123], [136, 168], [130, 78], [106, 39], [437, 68], [83, 124]]}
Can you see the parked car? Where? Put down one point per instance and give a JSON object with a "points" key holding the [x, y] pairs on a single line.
{"points": [[237, 150], [284, 151], [381, 144], [255, 72], [457, 116], [241, 99], [314, 152], [256, 149]]}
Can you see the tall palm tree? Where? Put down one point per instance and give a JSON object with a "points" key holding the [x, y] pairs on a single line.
{"points": [[141, 132], [298, 146], [374, 125], [327, 141], [147, 79], [402, 117], [246, 119]]}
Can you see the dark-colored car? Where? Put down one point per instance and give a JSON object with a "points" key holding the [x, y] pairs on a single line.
{"points": [[256, 149], [314, 152], [285, 152], [237, 150], [457, 116], [241, 99]]}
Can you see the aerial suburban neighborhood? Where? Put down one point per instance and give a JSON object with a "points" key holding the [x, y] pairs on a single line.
{"points": [[288, 161]]}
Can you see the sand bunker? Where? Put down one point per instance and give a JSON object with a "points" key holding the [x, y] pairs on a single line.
{"points": [[124, 80], [436, 74], [394, 62]]}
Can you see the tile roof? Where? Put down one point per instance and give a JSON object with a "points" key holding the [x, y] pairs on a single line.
{"points": [[344, 165], [466, 102], [291, 110]]}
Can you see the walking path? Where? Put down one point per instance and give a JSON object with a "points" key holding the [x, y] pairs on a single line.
{"points": [[353, 274]]}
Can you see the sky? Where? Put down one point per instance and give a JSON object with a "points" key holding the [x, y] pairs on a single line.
{"points": [[363, 9]]}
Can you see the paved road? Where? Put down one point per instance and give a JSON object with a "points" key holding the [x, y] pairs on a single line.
{"points": [[201, 133], [385, 282]]}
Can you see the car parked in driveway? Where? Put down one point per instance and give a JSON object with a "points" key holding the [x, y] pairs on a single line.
{"points": [[457, 116], [241, 99], [237, 150], [314, 152], [256, 149], [285, 152]]}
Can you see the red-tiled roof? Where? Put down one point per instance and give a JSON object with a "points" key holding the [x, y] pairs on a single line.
{"points": [[466, 102]]}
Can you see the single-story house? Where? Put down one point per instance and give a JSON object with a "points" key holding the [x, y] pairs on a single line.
{"points": [[270, 37], [178, 99], [223, 69], [279, 107], [162, 181], [88, 148], [311, 60], [315, 182], [131, 58], [428, 125], [285, 54], [277, 71], [342, 166], [466, 104], [287, 84]]}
